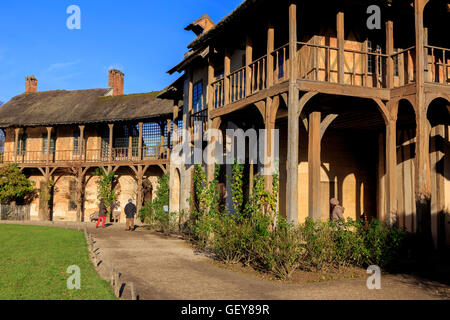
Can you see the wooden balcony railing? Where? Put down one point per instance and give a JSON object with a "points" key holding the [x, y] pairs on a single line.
{"points": [[406, 66], [237, 85], [280, 61], [147, 153], [437, 65], [318, 62]]}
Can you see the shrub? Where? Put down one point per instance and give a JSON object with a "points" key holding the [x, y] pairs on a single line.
{"points": [[14, 185]]}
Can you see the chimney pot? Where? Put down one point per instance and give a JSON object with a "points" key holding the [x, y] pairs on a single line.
{"points": [[115, 82], [30, 84]]}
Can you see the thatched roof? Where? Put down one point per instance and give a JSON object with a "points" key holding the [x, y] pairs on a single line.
{"points": [[81, 106]]}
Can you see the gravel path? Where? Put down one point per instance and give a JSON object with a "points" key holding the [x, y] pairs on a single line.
{"points": [[168, 268]]}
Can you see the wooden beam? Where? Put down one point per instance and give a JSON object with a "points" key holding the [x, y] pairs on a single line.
{"points": [[389, 52], [314, 164], [270, 49], [16, 143], [141, 125], [326, 123], [391, 172], [341, 44], [248, 61], [81, 143], [293, 123], [49, 138], [111, 138], [226, 72]]}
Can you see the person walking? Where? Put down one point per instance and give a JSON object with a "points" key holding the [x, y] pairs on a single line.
{"points": [[101, 213], [130, 212], [337, 212]]}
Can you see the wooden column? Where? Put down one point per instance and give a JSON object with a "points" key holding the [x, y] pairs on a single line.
{"points": [[341, 43], [269, 122], [270, 48], [391, 172], [389, 52], [248, 61], [423, 175], [210, 167], [314, 163], [226, 72], [16, 143], [141, 125], [81, 143], [49, 138], [169, 133], [111, 137], [130, 142], [140, 182], [293, 126], [189, 125]]}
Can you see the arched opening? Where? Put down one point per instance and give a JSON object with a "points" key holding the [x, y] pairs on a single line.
{"points": [[438, 115], [175, 200], [406, 153], [350, 130], [250, 120]]}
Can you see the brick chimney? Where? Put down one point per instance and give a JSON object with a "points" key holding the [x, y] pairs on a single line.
{"points": [[201, 25], [116, 81], [30, 84]]}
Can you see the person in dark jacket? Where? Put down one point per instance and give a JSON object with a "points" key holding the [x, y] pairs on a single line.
{"points": [[130, 212], [101, 213]]}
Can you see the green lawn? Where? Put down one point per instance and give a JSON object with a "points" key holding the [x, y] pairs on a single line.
{"points": [[34, 261]]}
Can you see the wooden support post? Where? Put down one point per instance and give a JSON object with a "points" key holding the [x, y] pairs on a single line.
{"points": [[141, 124], [248, 61], [293, 126], [169, 136], [16, 143], [111, 138], [140, 183], [81, 143], [226, 80], [79, 193], [269, 123], [190, 125], [314, 163], [161, 146], [49, 139], [130, 142], [423, 172], [270, 48], [390, 52], [391, 172], [210, 165], [341, 44]]}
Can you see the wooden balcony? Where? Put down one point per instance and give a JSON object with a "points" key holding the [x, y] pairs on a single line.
{"points": [[364, 73], [147, 155]]}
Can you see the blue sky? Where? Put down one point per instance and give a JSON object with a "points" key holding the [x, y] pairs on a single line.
{"points": [[143, 38]]}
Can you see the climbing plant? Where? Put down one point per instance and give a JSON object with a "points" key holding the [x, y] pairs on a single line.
{"points": [[237, 186], [108, 188]]}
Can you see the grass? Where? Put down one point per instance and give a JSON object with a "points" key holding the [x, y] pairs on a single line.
{"points": [[34, 261]]}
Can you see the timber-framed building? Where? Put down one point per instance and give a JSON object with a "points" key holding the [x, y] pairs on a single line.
{"points": [[363, 114], [65, 136]]}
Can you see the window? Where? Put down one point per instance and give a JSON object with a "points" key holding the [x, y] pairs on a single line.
{"points": [[72, 195], [197, 97], [76, 142], [104, 142], [22, 145], [45, 143]]}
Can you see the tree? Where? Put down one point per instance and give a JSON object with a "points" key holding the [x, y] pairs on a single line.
{"points": [[14, 185]]}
